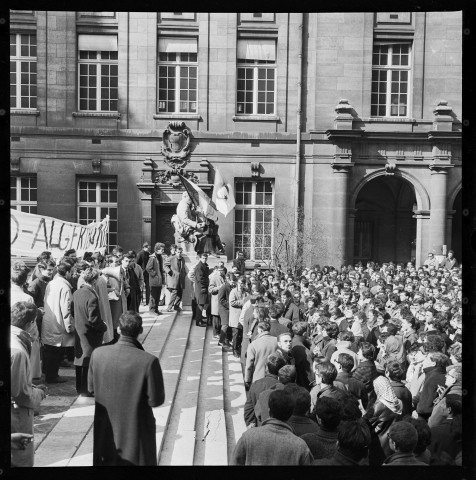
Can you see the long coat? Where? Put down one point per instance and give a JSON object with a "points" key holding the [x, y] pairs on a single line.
{"points": [[224, 303], [127, 383], [216, 282], [237, 300], [175, 276], [202, 283], [58, 318], [89, 326], [155, 269], [257, 356], [118, 283]]}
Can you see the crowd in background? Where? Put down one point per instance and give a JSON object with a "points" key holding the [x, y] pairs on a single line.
{"points": [[360, 366]]}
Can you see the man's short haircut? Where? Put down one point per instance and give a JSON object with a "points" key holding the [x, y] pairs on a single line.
{"points": [[273, 311], [274, 363], [395, 370], [434, 343], [346, 362], [287, 294], [423, 432], [284, 334], [69, 252], [329, 411], [347, 336], [90, 274], [287, 374], [81, 266], [63, 268], [302, 399], [67, 260], [280, 308], [19, 273], [350, 407], [281, 405], [299, 328], [457, 351], [327, 372], [392, 329], [45, 255], [23, 313], [404, 435], [159, 245], [354, 439], [130, 324], [332, 330], [265, 326]]}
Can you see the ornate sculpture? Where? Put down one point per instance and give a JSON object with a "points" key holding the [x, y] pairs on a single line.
{"points": [[192, 227], [176, 145]]}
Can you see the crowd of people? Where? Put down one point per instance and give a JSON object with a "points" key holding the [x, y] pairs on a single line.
{"points": [[357, 366]]}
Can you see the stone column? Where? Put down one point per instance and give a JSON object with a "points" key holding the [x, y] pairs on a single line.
{"points": [[352, 213], [438, 218], [339, 230], [422, 218]]}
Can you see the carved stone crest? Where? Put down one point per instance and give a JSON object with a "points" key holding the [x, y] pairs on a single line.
{"points": [[176, 144]]}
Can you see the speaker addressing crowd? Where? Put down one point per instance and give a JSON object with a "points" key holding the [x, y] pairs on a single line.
{"points": [[359, 365]]}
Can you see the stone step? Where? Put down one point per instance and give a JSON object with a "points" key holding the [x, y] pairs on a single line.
{"points": [[179, 439], [70, 440], [171, 360]]}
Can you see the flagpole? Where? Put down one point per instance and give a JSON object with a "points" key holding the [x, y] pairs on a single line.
{"points": [[184, 186]]}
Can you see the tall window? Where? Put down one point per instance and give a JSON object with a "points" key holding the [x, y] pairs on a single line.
{"points": [[254, 218], [98, 73], [96, 199], [391, 68], [22, 70], [23, 192], [177, 75], [256, 77]]}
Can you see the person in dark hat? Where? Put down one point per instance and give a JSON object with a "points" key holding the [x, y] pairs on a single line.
{"points": [[141, 260]]}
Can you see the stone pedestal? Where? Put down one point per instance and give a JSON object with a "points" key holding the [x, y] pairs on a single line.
{"points": [[191, 259]]}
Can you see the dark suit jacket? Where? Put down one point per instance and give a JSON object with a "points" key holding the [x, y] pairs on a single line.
{"points": [[127, 382], [89, 328], [201, 283], [240, 265], [174, 275], [292, 312]]}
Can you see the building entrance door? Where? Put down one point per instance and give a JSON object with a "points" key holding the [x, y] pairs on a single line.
{"points": [[385, 229], [164, 230]]}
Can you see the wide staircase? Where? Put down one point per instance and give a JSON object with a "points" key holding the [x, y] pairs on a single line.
{"points": [[202, 416]]}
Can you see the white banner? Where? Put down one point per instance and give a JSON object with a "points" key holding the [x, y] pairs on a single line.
{"points": [[32, 234]]}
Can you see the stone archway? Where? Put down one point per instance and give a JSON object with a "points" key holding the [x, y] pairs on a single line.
{"points": [[384, 224]]}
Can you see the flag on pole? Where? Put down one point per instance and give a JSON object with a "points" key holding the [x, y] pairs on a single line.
{"points": [[223, 195], [200, 199]]}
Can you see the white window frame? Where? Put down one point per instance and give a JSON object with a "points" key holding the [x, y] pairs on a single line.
{"points": [[256, 65], [253, 207], [18, 59], [177, 64], [19, 203], [389, 68], [98, 204], [99, 62]]}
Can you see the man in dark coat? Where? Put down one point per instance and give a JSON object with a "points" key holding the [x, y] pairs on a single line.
{"points": [[127, 383], [291, 310], [155, 269], [201, 289], [175, 277], [344, 366], [239, 263], [273, 365], [434, 367], [142, 260], [224, 310], [302, 356], [89, 327]]}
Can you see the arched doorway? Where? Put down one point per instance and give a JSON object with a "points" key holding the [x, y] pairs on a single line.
{"points": [[456, 227], [384, 228]]}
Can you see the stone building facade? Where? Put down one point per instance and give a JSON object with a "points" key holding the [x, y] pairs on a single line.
{"points": [[352, 118]]}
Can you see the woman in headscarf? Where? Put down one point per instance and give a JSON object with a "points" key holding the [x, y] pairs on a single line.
{"points": [[386, 410]]}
